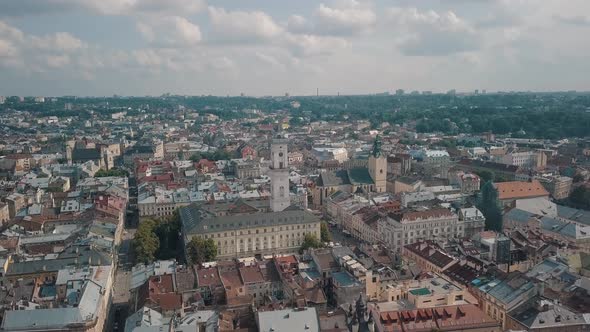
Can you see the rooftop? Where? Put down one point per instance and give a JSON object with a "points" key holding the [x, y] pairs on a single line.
{"points": [[520, 189], [288, 320]]}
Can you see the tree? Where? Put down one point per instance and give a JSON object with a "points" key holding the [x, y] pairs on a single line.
{"points": [[201, 250], [310, 241], [485, 176], [146, 243], [167, 231], [195, 157], [325, 235], [111, 172], [489, 205], [581, 197]]}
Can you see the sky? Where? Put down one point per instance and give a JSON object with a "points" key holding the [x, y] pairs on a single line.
{"points": [[273, 47]]}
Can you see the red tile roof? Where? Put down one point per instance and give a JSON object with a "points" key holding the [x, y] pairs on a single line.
{"points": [[520, 189], [251, 274], [207, 277]]}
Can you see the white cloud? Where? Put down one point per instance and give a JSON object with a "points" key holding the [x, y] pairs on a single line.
{"points": [[170, 31], [268, 59], [242, 26], [347, 17], [57, 61], [298, 24], [574, 19], [312, 45], [60, 41], [146, 31], [9, 32], [430, 33], [222, 63], [39, 54], [7, 49], [147, 58], [103, 7]]}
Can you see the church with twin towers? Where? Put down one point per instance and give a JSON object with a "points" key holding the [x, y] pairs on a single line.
{"points": [[245, 228]]}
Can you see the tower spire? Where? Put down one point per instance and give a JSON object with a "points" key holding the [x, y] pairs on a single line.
{"points": [[279, 171], [376, 151]]}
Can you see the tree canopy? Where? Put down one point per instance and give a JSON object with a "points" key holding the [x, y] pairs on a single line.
{"points": [[111, 172], [324, 232], [146, 243], [158, 239], [489, 206], [201, 250], [310, 241], [580, 197]]}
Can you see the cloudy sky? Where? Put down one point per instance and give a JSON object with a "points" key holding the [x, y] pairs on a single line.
{"points": [[269, 47]]}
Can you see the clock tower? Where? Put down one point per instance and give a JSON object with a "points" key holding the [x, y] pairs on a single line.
{"points": [[378, 167], [279, 173]]}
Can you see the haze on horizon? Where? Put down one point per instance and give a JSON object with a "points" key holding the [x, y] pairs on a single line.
{"points": [[257, 47]]}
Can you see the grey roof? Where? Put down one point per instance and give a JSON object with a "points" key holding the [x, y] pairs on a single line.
{"points": [[578, 215], [41, 319], [518, 215], [506, 291], [85, 154], [565, 228], [330, 179], [57, 318], [288, 320], [197, 221], [547, 269], [407, 180], [144, 317], [360, 176], [68, 258], [555, 317], [139, 149]]}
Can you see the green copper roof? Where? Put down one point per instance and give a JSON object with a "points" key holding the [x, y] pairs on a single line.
{"points": [[376, 152], [360, 176]]}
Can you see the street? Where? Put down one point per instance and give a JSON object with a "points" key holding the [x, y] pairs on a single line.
{"points": [[120, 293], [339, 237]]}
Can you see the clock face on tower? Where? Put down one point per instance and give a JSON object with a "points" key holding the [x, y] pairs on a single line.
{"points": [[280, 154]]}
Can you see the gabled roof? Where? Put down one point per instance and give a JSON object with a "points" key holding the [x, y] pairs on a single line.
{"points": [[359, 176], [329, 179], [85, 154], [520, 189]]}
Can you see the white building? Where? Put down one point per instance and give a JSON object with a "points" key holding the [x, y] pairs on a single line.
{"points": [[527, 159], [279, 173], [411, 227], [330, 153]]}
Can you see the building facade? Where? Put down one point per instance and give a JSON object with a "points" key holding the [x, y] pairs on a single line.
{"points": [[279, 173], [415, 226], [249, 233]]}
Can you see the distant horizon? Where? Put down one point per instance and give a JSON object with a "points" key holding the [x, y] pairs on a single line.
{"points": [[384, 93]]}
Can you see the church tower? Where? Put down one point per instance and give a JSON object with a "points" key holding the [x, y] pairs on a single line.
{"points": [[378, 166], [279, 173]]}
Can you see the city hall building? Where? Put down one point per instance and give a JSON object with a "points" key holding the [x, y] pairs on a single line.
{"points": [[244, 229]]}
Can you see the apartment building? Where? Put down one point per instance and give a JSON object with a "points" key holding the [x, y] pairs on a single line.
{"points": [[500, 296], [413, 226], [558, 186], [526, 159]]}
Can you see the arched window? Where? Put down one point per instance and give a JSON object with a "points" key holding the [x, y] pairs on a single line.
{"points": [[281, 191]]}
